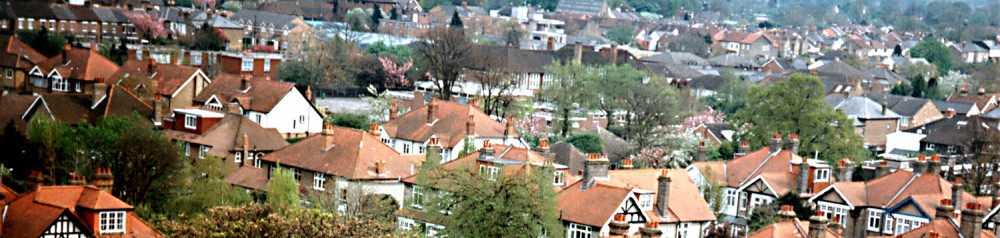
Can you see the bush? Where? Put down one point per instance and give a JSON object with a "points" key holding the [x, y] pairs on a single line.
{"points": [[350, 120], [588, 142]]}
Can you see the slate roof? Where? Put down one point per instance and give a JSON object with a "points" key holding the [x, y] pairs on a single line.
{"points": [[960, 108], [262, 96], [589, 7], [258, 17], [837, 67], [882, 73], [249, 177], [677, 71], [683, 58], [980, 100], [956, 130], [17, 109], [449, 125], [352, 156], [903, 105], [859, 107], [34, 211], [709, 82], [511, 59], [731, 60]]}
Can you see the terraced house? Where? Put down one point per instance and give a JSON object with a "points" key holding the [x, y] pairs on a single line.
{"points": [[87, 22]]}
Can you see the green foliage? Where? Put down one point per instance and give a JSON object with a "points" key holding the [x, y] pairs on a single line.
{"points": [[621, 34], [208, 189], [379, 48], [233, 6], [799, 205], [725, 151], [115, 52], [358, 19], [283, 190], [325, 65], [732, 96], [799, 106], [935, 52], [763, 216], [207, 38], [588, 142], [456, 21], [902, 89], [393, 13], [43, 41], [469, 147], [257, 221], [349, 120], [919, 86]]}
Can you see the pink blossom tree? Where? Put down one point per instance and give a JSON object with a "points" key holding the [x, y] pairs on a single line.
{"points": [[148, 26], [709, 116], [395, 74], [533, 126], [206, 4]]}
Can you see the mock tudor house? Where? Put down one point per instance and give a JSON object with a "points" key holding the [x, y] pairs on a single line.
{"points": [[492, 161], [337, 160], [272, 104], [232, 137], [176, 85], [757, 178], [453, 124], [892, 203], [16, 59], [75, 70]]}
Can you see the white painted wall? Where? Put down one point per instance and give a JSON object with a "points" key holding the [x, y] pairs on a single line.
{"points": [[288, 110]]}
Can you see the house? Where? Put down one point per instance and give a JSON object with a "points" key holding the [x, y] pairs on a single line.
{"points": [[232, 137], [756, 178], [527, 66], [913, 112], [74, 211], [113, 100], [984, 102], [491, 162], [865, 209], [257, 65], [454, 124], [16, 59], [969, 53], [872, 120], [335, 161], [88, 23], [883, 80], [176, 85], [272, 104], [279, 31], [788, 225], [714, 133], [583, 8], [19, 111], [953, 136], [232, 31], [755, 45], [535, 23], [75, 70]]}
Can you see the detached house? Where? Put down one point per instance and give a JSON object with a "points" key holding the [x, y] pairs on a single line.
{"points": [[453, 124], [756, 178], [756, 45], [872, 120], [19, 111], [176, 86], [272, 104], [230, 136], [16, 59], [913, 112], [983, 101], [76, 70]]}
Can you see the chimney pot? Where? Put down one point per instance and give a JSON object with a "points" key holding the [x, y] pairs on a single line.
{"points": [[392, 111], [775, 143]]}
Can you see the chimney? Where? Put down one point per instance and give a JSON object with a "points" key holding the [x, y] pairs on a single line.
{"points": [[835, 226], [743, 149], [882, 169], [151, 67], [972, 216], [327, 137], [470, 126], [935, 165], [157, 108], [803, 185], [627, 164], [885, 108], [393, 110], [100, 90], [77, 179], [775, 143], [663, 193], [982, 91], [965, 90], [786, 214], [434, 145], [614, 54], [651, 230], [509, 131], [845, 170], [246, 149], [104, 180], [578, 52], [373, 129], [35, 179], [309, 93], [487, 151], [474, 102], [65, 51], [793, 143], [944, 210], [380, 167], [550, 45], [244, 82], [618, 226], [543, 146], [594, 168], [920, 164], [817, 225], [956, 192], [949, 113], [430, 110], [700, 154]]}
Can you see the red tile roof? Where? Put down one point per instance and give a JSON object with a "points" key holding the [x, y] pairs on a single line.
{"points": [[248, 177], [262, 96], [785, 229], [33, 212], [18, 53], [227, 136], [943, 228], [449, 124], [15, 107], [685, 202], [82, 64], [925, 189], [122, 102], [353, 155], [593, 206], [169, 78]]}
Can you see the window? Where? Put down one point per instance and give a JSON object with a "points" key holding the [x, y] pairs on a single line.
{"points": [[138, 54], [874, 220], [421, 149], [79, 87], [406, 224], [490, 172], [731, 197], [834, 211], [204, 151], [417, 200], [256, 161], [190, 121], [260, 119], [646, 201], [822, 174], [930, 146], [302, 118], [579, 231], [298, 174], [195, 58], [952, 149], [112, 222], [559, 178], [267, 65], [319, 181], [10, 73], [31, 23], [684, 229], [187, 149], [247, 65], [905, 121], [60, 84], [20, 23], [238, 158], [406, 148]]}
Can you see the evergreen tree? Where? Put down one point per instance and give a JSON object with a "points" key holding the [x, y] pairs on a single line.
{"points": [[902, 89], [897, 51], [394, 15], [933, 90], [456, 21], [588, 142], [41, 43], [919, 86], [283, 190], [376, 17]]}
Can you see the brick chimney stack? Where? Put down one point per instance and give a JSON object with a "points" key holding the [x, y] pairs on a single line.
{"points": [[75, 179], [393, 110], [775, 143], [35, 179], [104, 180], [618, 226], [700, 155], [474, 102], [157, 108], [817, 225], [982, 91], [246, 149], [151, 67], [972, 216], [844, 170], [944, 209], [935, 165], [470, 126], [793, 143], [65, 53], [743, 149], [327, 137], [786, 214], [663, 193], [882, 169], [920, 165], [244, 82], [374, 131], [627, 164], [594, 168], [543, 146], [509, 130], [651, 230], [803, 176], [956, 192], [430, 110]]}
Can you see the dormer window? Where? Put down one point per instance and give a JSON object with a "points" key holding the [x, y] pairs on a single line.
{"points": [[559, 179], [646, 201], [247, 65], [190, 121], [112, 222], [822, 175]]}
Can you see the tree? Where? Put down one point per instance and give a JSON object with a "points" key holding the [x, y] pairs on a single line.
{"points": [[799, 106], [208, 38], [395, 74], [376, 17], [45, 42], [920, 69], [569, 92], [919, 86], [897, 51], [446, 52], [691, 43], [621, 34], [587, 142], [935, 52], [732, 96], [323, 66], [258, 221], [110, 50], [456, 21], [902, 89], [207, 189], [349, 120], [283, 191], [234, 6], [148, 26], [358, 20], [512, 33]]}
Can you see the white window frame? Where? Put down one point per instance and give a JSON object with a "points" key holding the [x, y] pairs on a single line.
{"points": [[204, 151], [874, 220], [60, 84], [10, 73], [187, 149], [579, 231], [417, 197], [646, 201], [834, 210], [406, 148], [822, 175], [112, 222], [559, 178], [195, 58], [267, 65], [238, 157], [246, 65], [190, 121], [256, 160], [319, 181], [79, 87]]}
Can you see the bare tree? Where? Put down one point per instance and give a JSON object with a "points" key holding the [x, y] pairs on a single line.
{"points": [[496, 96], [982, 153], [446, 52]]}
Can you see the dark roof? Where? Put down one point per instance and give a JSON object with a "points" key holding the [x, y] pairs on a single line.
{"points": [[956, 130], [837, 67], [38, 10], [567, 154], [511, 59], [960, 108], [903, 105], [709, 82], [258, 17], [589, 7], [17, 109]]}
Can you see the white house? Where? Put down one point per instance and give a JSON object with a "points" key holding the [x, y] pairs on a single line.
{"points": [[272, 104]]}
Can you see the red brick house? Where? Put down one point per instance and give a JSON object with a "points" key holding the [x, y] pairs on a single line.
{"points": [[76, 70], [16, 59]]}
